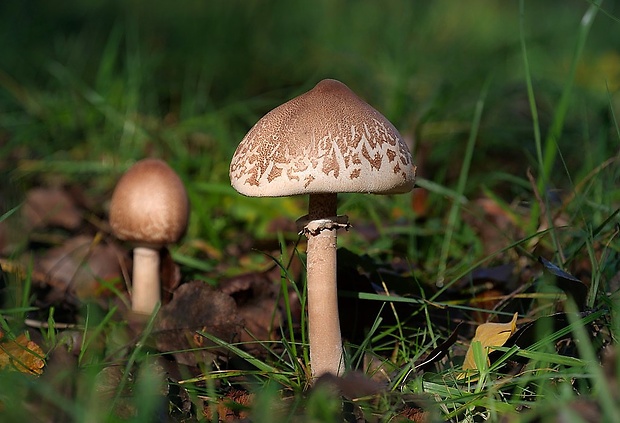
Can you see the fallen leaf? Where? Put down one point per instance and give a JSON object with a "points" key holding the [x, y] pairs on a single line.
{"points": [[420, 203], [261, 306], [234, 406], [46, 207], [531, 332], [490, 335], [351, 385], [80, 264], [413, 414], [21, 354], [485, 300], [197, 306], [170, 275]]}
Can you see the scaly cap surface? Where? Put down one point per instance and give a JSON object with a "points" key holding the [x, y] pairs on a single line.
{"points": [[326, 140]]}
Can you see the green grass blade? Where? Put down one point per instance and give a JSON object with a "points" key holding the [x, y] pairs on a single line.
{"points": [[601, 382], [559, 117], [273, 373], [462, 181]]}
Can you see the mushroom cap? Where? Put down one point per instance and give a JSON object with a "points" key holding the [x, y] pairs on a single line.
{"points": [[326, 140], [149, 204]]}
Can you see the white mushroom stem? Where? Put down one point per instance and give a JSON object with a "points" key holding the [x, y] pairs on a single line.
{"points": [[323, 319], [145, 292]]}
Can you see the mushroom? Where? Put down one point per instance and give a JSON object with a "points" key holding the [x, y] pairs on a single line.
{"points": [[150, 208], [320, 143]]}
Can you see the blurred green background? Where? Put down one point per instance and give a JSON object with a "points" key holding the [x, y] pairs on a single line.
{"points": [[87, 87]]}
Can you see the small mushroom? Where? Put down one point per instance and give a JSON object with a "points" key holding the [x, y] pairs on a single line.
{"points": [[149, 208], [320, 143]]}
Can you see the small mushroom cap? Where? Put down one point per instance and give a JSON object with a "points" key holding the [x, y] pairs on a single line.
{"points": [[149, 204], [326, 140]]}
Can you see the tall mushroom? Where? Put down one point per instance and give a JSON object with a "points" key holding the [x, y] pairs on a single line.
{"points": [[320, 143], [149, 208]]}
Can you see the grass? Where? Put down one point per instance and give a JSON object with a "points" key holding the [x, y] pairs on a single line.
{"points": [[487, 92]]}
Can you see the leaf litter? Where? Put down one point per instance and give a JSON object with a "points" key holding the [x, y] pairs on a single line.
{"points": [[21, 354], [248, 309]]}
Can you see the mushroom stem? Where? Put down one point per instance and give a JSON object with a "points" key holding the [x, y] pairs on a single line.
{"points": [[145, 293], [323, 320]]}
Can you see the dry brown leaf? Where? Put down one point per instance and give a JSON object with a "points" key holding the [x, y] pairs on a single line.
{"points": [[21, 354], [46, 207], [490, 335], [485, 300], [413, 414], [261, 306], [420, 202], [197, 307], [233, 407], [353, 384], [80, 263], [170, 275]]}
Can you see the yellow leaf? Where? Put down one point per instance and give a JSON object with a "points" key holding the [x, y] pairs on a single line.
{"points": [[490, 335], [21, 354]]}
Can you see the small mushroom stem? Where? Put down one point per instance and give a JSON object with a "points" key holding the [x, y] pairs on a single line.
{"points": [[323, 319], [145, 292]]}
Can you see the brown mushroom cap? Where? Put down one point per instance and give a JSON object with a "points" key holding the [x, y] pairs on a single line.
{"points": [[149, 204], [324, 141]]}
